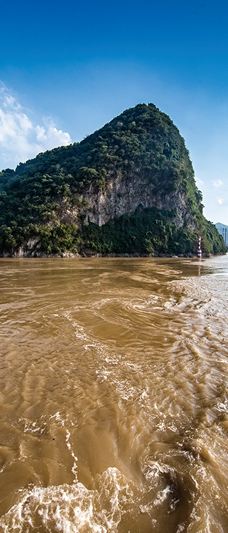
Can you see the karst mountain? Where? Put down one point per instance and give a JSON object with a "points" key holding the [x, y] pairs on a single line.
{"points": [[128, 188]]}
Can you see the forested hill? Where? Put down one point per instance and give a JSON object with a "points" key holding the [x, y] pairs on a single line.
{"points": [[128, 188]]}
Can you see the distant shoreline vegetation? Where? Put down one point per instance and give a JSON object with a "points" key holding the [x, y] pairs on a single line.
{"points": [[128, 189]]}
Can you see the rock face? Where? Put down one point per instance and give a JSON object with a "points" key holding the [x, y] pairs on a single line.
{"points": [[127, 188], [121, 197]]}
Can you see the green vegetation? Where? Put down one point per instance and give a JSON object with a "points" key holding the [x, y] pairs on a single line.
{"points": [[43, 203], [148, 232]]}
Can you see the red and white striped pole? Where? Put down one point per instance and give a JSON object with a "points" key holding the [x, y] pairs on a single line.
{"points": [[199, 250]]}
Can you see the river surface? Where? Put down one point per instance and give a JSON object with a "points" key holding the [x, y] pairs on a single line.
{"points": [[113, 395]]}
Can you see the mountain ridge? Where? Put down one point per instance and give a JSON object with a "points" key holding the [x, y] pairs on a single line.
{"points": [[223, 230]]}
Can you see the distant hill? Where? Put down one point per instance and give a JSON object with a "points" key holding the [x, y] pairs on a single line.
{"points": [[128, 188], [223, 230]]}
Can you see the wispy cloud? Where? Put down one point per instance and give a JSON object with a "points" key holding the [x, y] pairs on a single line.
{"points": [[20, 137], [220, 201], [217, 183]]}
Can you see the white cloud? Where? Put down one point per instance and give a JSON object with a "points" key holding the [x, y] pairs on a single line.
{"points": [[20, 137], [217, 183], [220, 201]]}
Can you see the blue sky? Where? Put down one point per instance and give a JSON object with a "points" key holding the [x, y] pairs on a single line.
{"points": [[68, 67]]}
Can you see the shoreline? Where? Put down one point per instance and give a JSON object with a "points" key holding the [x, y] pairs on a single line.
{"points": [[92, 256]]}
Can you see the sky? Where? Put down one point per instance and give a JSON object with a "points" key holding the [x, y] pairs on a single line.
{"points": [[67, 68]]}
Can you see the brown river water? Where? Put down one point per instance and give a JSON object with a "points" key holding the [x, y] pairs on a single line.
{"points": [[113, 395]]}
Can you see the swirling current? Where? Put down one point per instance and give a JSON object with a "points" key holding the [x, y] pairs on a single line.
{"points": [[113, 395]]}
